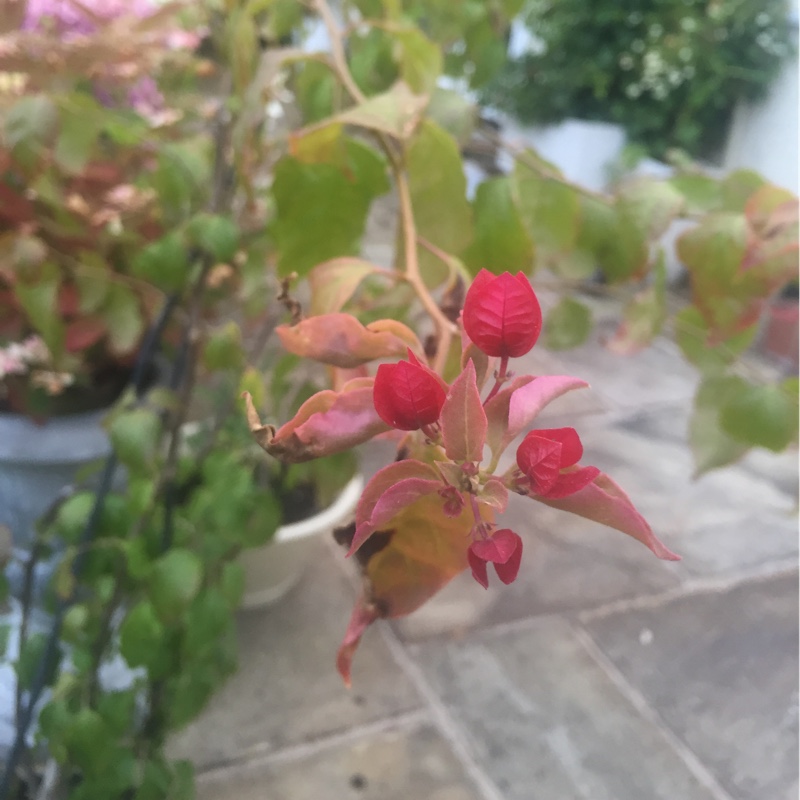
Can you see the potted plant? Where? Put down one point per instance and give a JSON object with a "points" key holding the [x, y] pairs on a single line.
{"points": [[669, 73]]}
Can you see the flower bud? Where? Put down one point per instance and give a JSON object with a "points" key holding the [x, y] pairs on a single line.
{"points": [[408, 395], [502, 315]]}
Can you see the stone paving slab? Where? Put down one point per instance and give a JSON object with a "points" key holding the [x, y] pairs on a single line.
{"points": [[405, 765], [721, 670], [545, 721], [568, 564], [287, 689]]}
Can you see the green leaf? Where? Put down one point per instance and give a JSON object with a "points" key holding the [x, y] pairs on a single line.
{"points": [[396, 112], [134, 436], [223, 350], [182, 178], [325, 201], [123, 317], [694, 338], [650, 206], [371, 61], [761, 416], [208, 619], [89, 742], [644, 316], [28, 664], [420, 60], [155, 783], [75, 621], [73, 516], [738, 188], [702, 194], [175, 582], [454, 113], [81, 122], [29, 121], [182, 786], [39, 300], [550, 211], [118, 710], [711, 446], [164, 263], [215, 234], [567, 325], [334, 283], [501, 241], [438, 194], [315, 90], [143, 640]]}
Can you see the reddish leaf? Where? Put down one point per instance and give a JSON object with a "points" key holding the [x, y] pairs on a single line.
{"points": [[392, 502], [327, 423], [514, 408], [604, 501], [83, 333], [424, 550], [334, 282], [463, 419], [342, 341], [364, 614], [387, 477]]}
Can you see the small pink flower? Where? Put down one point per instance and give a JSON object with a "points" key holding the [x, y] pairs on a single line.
{"points": [[503, 549], [542, 456]]}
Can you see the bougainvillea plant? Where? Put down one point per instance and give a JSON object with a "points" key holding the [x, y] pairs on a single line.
{"points": [[431, 514]]}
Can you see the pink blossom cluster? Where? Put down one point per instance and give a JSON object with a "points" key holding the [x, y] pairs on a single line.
{"points": [[18, 357], [67, 18], [69, 21]]}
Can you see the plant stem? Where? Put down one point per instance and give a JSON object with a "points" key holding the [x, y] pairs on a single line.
{"points": [[499, 379]]}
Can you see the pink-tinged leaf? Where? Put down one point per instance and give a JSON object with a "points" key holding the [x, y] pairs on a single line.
{"points": [[529, 400], [497, 413], [514, 408], [364, 614], [342, 341], [484, 365], [570, 482], [463, 419], [84, 332], [605, 502], [387, 477], [390, 504], [494, 494], [334, 282], [327, 423]]}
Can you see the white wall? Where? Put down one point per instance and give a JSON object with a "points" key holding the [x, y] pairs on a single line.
{"points": [[764, 136]]}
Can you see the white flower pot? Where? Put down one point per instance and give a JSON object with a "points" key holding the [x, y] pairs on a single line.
{"points": [[272, 570], [37, 462]]}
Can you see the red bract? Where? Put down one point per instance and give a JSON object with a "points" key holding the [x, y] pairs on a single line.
{"points": [[502, 315], [408, 395], [503, 549], [544, 453]]}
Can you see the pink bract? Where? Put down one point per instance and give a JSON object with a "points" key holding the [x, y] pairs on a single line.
{"points": [[408, 395], [503, 549], [502, 315]]}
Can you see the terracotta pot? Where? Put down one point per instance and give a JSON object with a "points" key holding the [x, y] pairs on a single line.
{"points": [[272, 570], [781, 333]]}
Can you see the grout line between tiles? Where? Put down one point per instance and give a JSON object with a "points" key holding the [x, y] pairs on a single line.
{"points": [[694, 586], [261, 755], [703, 775], [444, 721]]}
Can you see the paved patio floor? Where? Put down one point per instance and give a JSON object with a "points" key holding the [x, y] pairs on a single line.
{"points": [[601, 674]]}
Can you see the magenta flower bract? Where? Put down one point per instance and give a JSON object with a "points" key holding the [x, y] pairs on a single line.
{"points": [[502, 315], [503, 549]]}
